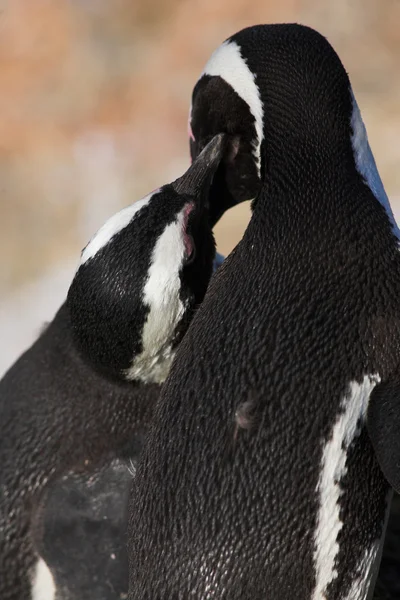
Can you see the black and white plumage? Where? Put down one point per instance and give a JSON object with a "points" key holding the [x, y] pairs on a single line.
{"points": [[277, 491], [75, 407]]}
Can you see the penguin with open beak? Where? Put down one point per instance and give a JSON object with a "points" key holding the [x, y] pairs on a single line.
{"points": [[74, 407]]}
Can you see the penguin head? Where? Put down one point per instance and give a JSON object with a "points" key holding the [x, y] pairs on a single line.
{"points": [[227, 99], [282, 92], [267, 80], [216, 107], [142, 275]]}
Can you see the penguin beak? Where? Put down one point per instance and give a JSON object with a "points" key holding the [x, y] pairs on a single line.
{"points": [[198, 178]]}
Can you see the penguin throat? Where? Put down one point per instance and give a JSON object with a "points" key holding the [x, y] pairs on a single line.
{"points": [[187, 238], [152, 367]]}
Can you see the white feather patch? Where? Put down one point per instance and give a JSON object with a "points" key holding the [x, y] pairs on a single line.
{"points": [[363, 586], [228, 63], [114, 225], [366, 165], [43, 587], [333, 469], [162, 296], [362, 583]]}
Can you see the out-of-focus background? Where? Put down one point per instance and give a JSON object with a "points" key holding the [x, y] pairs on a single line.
{"points": [[94, 98]]}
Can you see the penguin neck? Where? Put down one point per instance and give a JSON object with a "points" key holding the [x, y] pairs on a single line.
{"points": [[123, 378], [301, 175], [295, 156], [111, 409], [321, 199], [152, 366], [310, 158]]}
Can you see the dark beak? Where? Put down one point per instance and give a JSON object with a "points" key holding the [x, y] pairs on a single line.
{"points": [[199, 176]]}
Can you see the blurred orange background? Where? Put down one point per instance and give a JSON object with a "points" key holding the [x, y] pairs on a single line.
{"points": [[94, 98]]}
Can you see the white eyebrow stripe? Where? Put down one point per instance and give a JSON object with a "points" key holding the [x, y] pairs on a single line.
{"points": [[114, 225], [228, 63], [162, 296]]}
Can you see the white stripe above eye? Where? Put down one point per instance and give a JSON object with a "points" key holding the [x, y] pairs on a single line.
{"points": [[114, 225], [228, 63], [365, 162]]}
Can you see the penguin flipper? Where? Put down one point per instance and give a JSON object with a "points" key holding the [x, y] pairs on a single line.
{"points": [[383, 423]]}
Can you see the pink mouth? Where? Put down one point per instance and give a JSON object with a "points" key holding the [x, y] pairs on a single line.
{"points": [[190, 132], [188, 240]]}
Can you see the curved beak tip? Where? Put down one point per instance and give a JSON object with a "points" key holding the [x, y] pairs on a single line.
{"points": [[201, 171]]}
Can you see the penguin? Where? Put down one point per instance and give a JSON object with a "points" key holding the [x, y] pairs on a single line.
{"points": [[75, 407], [269, 468]]}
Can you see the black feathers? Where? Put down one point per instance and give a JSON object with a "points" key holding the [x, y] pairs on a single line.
{"points": [[293, 319]]}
